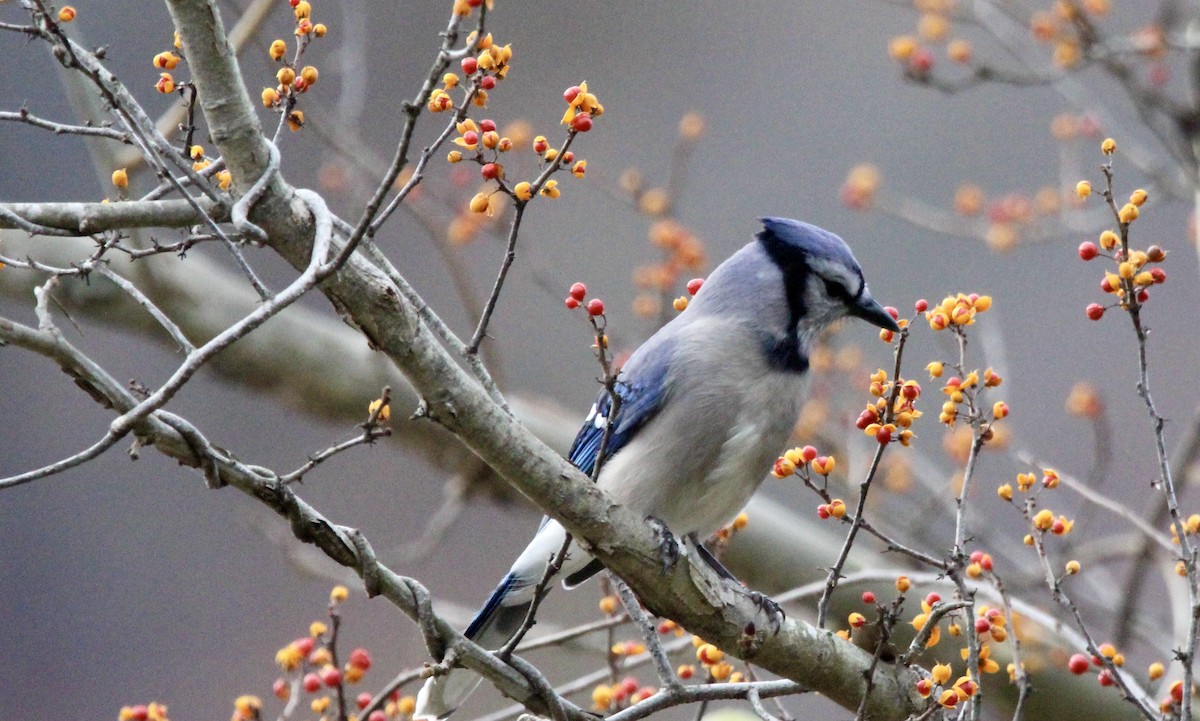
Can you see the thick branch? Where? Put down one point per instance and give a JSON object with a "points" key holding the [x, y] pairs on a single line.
{"points": [[88, 218]]}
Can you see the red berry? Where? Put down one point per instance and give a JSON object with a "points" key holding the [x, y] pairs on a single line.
{"points": [[293, 3], [808, 453], [921, 61], [141, 712], [582, 123], [571, 93], [986, 563], [572, 304], [280, 688], [823, 511], [595, 306], [578, 291], [933, 598], [883, 436], [470, 137], [363, 700], [487, 82], [377, 715], [1106, 286], [490, 171], [568, 157], [1105, 678], [1078, 664], [1159, 275], [976, 556], [1177, 692], [865, 419], [474, 3], [470, 65], [359, 658], [1088, 250], [868, 597], [486, 124], [922, 305], [331, 676], [895, 314], [1160, 73], [982, 625], [312, 682], [910, 391], [693, 286], [629, 684], [305, 645], [1095, 311], [1143, 296]]}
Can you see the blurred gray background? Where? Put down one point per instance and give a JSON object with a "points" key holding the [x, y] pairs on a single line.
{"points": [[124, 582]]}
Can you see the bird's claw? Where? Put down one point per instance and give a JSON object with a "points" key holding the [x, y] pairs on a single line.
{"points": [[666, 543], [775, 614]]}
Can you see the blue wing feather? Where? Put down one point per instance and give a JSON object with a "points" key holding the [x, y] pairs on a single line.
{"points": [[641, 389]]}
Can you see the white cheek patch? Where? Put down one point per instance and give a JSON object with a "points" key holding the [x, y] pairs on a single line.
{"points": [[600, 420]]}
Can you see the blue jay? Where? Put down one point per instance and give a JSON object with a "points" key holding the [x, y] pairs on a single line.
{"points": [[707, 404]]}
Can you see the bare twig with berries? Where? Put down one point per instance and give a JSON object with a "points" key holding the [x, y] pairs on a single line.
{"points": [[884, 437], [1133, 282]]}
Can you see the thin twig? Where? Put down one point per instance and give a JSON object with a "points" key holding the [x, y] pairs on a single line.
{"points": [[24, 116]]}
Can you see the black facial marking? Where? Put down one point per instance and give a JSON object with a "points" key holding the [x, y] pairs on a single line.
{"points": [[794, 265], [784, 353]]}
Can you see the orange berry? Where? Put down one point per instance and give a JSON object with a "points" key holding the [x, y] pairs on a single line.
{"points": [[165, 84]]}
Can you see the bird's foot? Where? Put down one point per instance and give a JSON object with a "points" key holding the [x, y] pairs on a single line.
{"points": [[666, 543], [775, 614]]}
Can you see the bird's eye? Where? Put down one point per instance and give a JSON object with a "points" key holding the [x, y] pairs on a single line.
{"points": [[836, 290]]}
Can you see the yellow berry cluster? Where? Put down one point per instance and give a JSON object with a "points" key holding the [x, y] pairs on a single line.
{"points": [[682, 253], [486, 146], [484, 70], [622, 694], [713, 660], [308, 667], [915, 52], [802, 460], [948, 696], [1009, 215], [885, 425], [921, 619], [290, 82], [167, 61], [957, 311], [1191, 527], [1062, 28], [152, 711], [1136, 269]]}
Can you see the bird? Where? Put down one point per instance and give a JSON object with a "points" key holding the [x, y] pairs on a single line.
{"points": [[706, 404]]}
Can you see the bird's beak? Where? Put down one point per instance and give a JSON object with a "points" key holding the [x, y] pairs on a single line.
{"points": [[867, 308]]}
